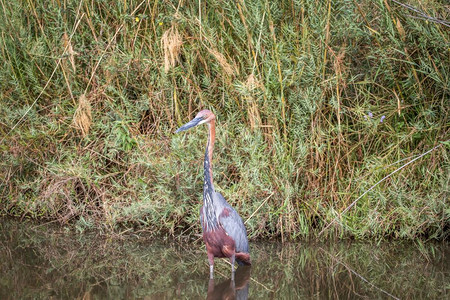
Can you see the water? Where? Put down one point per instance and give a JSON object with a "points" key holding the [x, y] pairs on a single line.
{"points": [[42, 263]]}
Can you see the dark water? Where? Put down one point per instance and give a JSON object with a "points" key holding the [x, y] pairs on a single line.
{"points": [[42, 263]]}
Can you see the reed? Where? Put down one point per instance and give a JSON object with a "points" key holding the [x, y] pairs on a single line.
{"points": [[317, 101]]}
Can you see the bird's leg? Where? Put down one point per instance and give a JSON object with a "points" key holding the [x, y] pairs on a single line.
{"points": [[211, 265], [232, 259], [211, 286]]}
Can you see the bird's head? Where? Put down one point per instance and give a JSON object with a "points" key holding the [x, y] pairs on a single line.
{"points": [[204, 116]]}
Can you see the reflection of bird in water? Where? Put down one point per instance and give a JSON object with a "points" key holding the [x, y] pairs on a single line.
{"points": [[231, 289], [224, 232]]}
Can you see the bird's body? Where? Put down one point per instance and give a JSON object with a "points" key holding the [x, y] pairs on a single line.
{"points": [[224, 232]]}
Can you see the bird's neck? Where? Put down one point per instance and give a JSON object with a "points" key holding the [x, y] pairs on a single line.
{"points": [[209, 214], [207, 165]]}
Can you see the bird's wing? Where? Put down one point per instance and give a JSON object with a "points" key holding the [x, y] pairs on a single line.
{"points": [[233, 225]]}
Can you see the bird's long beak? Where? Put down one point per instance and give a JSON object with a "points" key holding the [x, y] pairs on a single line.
{"points": [[191, 123]]}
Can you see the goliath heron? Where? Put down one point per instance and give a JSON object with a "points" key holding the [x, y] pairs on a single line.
{"points": [[224, 232]]}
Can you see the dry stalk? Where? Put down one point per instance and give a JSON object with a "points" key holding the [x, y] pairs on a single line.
{"points": [[171, 42], [68, 45], [82, 117], [252, 83], [253, 112], [230, 69]]}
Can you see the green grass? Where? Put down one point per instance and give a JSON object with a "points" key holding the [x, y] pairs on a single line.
{"points": [[92, 92]]}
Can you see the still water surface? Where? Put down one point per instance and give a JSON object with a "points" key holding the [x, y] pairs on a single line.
{"points": [[38, 262]]}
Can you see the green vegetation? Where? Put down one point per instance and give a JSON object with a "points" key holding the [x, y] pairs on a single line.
{"points": [[317, 101]]}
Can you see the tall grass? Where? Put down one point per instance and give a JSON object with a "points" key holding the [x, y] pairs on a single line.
{"points": [[316, 102]]}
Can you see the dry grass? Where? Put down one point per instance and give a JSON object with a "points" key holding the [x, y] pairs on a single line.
{"points": [[171, 43], [82, 119], [67, 44], [229, 68]]}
